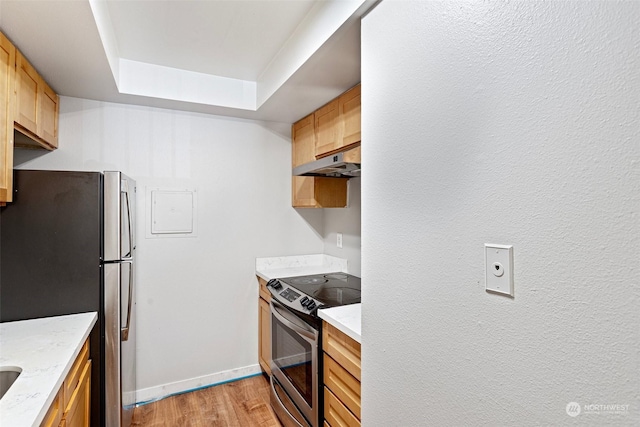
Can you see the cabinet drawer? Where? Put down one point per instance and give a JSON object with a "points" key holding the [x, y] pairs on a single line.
{"points": [[336, 414], [264, 292], [73, 378], [342, 348], [342, 384]]}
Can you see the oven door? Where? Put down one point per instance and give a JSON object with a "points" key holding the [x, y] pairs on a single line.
{"points": [[294, 361]]}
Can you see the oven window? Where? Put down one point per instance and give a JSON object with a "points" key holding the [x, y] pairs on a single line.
{"points": [[292, 355]]}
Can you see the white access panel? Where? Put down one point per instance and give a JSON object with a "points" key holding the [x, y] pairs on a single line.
{"points": [[172, 213]]}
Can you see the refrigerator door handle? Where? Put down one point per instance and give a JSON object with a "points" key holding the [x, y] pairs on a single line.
{"points": [[124, 332], [124, 188]]}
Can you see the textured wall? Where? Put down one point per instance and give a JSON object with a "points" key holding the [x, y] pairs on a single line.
{"points": [[345, 221], [512, 123]]}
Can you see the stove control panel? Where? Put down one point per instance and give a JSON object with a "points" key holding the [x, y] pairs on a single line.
{"points": [[291, 297]]}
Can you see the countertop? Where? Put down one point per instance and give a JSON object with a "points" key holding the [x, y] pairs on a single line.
{"points": [[300, 265], [45, 350], [346, 318]]}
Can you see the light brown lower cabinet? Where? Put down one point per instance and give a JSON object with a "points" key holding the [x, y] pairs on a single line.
{"points": [[72, 405], [264, 327], [341, 378]]}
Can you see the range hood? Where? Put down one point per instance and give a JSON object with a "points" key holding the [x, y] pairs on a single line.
{"points": [[345, 164]]}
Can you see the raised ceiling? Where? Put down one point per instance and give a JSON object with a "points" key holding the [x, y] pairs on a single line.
{"points": [[270, 60]]}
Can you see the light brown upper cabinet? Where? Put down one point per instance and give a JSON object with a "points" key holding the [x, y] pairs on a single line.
{"points": [[29, 106], [37, 105], [337, 124], [49, 112], [309, 191], [7, 71], [27, 93]]}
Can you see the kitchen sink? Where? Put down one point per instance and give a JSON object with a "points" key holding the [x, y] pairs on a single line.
{"points": [[8, 375]]}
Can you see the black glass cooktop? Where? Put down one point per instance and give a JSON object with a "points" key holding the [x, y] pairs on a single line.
{"points": [[331, 289]]}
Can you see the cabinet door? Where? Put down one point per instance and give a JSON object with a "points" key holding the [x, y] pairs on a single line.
{"points": [[7, 72], [48, 115], [27, 92], [350, 117], [303, 140], [303, 151], [54, 414], [264, 336], [303, 192], [74, 377], [77, 413], [327, 128]]}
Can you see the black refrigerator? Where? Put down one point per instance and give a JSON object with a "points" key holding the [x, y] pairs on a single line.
{"points": [[67, 245]]}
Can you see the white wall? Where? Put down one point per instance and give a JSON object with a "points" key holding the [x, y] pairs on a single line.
{"points": [[197, 297], [345, 221], [513, 123]]}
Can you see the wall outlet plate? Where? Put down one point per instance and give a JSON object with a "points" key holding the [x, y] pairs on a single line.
{"points": [[498, 260]]}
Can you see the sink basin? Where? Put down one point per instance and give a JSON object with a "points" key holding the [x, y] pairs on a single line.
{"points": [[8, 375]]}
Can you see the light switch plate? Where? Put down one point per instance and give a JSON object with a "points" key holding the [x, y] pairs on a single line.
{"points": [[499, 268]]}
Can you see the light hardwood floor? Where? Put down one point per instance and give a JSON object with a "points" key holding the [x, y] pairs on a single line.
{"points": [[239, 403]]}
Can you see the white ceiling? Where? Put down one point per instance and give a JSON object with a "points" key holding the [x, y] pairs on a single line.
{"points": [[273, 60]]}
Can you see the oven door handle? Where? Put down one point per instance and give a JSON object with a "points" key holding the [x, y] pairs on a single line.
{"points": [[291, 323]]}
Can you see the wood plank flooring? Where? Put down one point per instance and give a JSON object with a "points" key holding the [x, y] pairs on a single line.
{"points": [[241, 403]]}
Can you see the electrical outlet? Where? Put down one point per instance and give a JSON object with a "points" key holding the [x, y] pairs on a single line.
{"points": [[499, 268], [339, 240]]}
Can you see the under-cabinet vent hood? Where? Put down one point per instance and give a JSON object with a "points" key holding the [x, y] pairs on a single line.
{"points": [[345, 164]]}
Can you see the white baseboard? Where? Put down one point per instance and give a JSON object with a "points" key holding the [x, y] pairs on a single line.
{"points": [[151, 394]]}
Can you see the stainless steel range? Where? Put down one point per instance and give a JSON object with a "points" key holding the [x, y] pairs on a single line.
{"points": [[296, 335]]}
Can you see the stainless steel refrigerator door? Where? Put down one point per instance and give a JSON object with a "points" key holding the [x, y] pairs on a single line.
{"points": [[128, 342], [119, 246], [113, 383]]}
